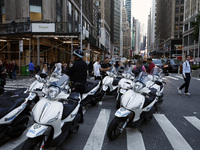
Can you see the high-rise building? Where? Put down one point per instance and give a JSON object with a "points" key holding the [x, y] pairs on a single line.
{"points": [[137, 37], [117, 25], [105, 8], [126, 34], [190, 46], [169, 27], [128, 11]]}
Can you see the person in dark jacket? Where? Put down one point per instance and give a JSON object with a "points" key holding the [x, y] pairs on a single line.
{"points": [[105, 67], [78, 75], [14, 70], [90, 68]]}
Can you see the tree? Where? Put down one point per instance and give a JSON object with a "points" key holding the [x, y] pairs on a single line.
{"points": [[195, 24]]}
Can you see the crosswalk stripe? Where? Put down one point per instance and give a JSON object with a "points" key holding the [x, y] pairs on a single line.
{"points": [[179, 77], [96, 137], [173, 78], [134, 140], [194, 121], [175, 138]]}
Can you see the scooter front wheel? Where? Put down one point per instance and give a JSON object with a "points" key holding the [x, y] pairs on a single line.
{"points": [[33, 143], [115, 128]]}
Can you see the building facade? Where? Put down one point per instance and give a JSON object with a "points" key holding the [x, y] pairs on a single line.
{"points": [[190, 46], [169, 27], [50, 30]]}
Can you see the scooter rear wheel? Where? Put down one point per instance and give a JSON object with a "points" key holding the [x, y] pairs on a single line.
{"points": [[33, 143], [115, 128]]}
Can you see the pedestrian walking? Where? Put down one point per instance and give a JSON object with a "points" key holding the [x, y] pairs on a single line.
{"points": [[97, 68], [14, 70], [31, 69], [186, 72]]}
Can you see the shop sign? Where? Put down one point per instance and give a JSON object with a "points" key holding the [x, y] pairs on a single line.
{"points": [[43, 27]]}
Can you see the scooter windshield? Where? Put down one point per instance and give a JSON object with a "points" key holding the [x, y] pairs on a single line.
{"points": [[64, 79], [156, 71], [142, 77], [58, 70]]}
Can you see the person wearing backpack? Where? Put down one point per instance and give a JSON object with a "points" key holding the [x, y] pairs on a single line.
{"points": [[186, 72], [138, 68]]}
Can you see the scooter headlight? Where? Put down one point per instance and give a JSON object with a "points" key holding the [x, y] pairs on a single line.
{"points": [[138, 86], [53, 92]]}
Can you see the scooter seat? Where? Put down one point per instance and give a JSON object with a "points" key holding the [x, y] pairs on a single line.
{"points": [[148, 100], [7, 105], [69, 106], [90, 85], [116, 81]]}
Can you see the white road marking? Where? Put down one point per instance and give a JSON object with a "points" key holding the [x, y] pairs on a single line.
{"points": [[173, 78], [194, 121], [179, 77], [174, 137], [134, 140], [96, 137]]}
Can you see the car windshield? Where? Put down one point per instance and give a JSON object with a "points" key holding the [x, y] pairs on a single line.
{"points": [[157, 61], [177, 61], [172, 62], [142, 77], [156, 71]]}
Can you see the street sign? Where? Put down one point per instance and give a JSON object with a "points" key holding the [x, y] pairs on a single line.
{"points": [[21, 46]]}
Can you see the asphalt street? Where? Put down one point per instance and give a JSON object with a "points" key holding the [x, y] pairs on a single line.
{"points": [[176, 125]]}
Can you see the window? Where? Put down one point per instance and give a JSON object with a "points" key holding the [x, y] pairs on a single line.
{"points": [[69, 6], [191, 39], [59, 10], [76, 16], [176, 18], [186, 40], [35, 10], [177, 9], [182, 1], [2, 16], [182, 9], [186, 27], [181, 18], [177, 2]]}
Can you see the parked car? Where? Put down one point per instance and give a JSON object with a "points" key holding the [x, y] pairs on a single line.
{"points": [[161, 64]]}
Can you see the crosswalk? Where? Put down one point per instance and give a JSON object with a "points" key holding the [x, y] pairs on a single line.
{"points": [[134, 137]]}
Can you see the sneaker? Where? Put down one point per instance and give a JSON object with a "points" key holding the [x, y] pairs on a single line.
{"points": [[179, 91], [187, 93]]}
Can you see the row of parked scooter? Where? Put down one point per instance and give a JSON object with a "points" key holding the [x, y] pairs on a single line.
{"points": [[55, 108]]}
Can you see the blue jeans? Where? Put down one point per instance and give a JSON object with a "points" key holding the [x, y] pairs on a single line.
{"points": [[14, 74]]}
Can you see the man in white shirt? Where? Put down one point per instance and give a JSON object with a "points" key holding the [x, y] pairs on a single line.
{"points": [[186, 75], [97, 68]]}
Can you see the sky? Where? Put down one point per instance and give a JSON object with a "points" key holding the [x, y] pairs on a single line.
{"points": [[141, 10]]}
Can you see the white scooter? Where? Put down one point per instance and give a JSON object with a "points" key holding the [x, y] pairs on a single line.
{"points": [[110, 82], [125, 84], [15, 110], [56, 115], [135, 107]]}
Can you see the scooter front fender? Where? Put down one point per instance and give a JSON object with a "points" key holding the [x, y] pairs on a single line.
{"points": [[104, 88], [122, 112], [38, 130]]}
